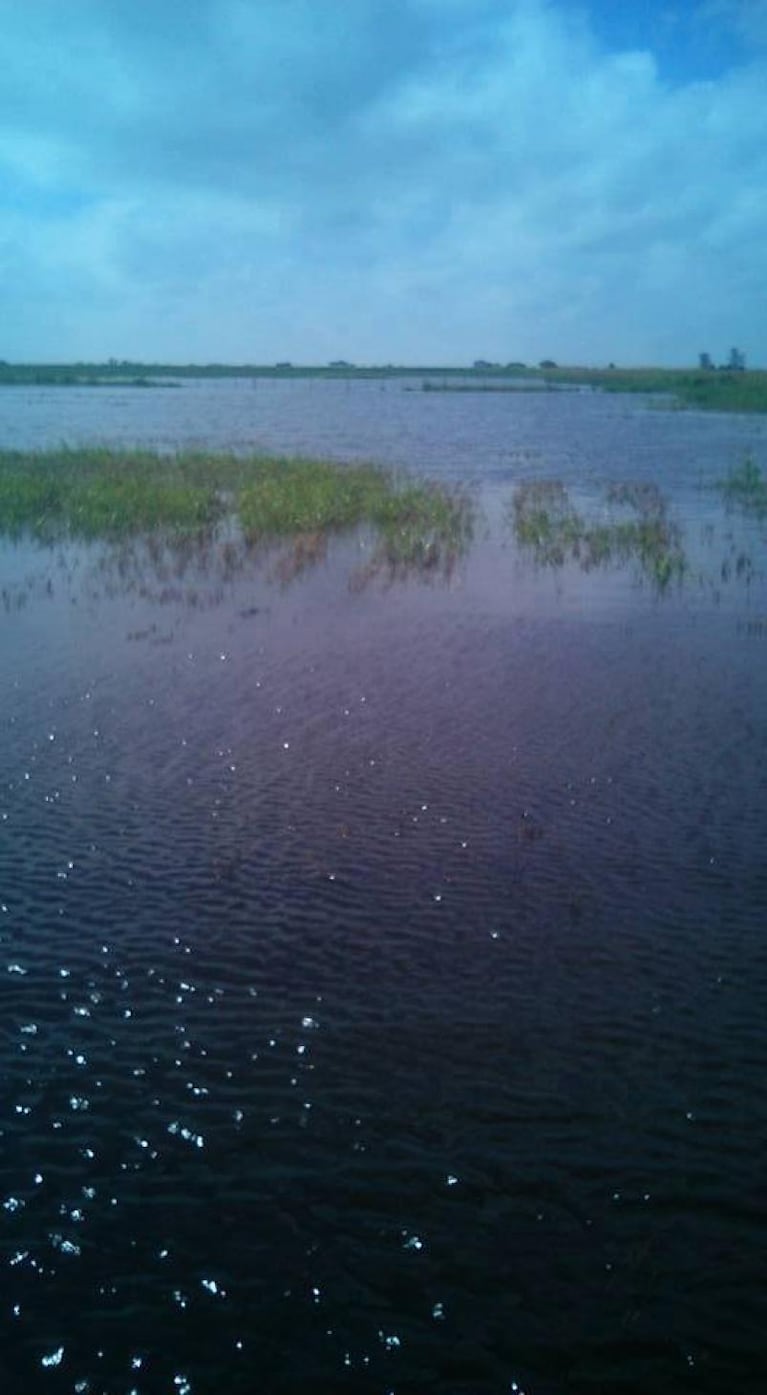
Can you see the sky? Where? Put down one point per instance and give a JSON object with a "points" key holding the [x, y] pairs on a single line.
{"points": [[384, 181]]}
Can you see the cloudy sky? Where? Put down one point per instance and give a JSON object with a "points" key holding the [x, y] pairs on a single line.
{"points": [[412, 181]]}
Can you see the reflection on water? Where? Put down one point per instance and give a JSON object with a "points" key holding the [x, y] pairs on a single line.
{"points": [[382, 970], [201, 571]]}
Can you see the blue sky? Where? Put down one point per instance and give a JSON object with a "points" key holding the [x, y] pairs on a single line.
{"points": [[411, 181]]}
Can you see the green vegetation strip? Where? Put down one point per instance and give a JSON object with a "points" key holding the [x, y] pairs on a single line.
{"points": [[715, 389], [110, 494], [709, 389], [545, 520]]}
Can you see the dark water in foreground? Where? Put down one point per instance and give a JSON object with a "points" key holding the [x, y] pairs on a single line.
{"points": [[383, 972]]}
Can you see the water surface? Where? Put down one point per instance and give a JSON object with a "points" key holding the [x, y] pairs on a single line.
{"points": [[383, 968]]}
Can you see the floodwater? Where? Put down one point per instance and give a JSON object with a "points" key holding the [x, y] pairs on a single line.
{"points": [[383, 967]]}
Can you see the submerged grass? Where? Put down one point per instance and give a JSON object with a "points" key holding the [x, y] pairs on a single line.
{"points": [[546, 521], [746, 487], [117, 495], [423, 529]]}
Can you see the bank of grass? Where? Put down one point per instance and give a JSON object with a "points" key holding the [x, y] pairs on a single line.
{"points": [[109, 494], [709, 389], [546, 522]]}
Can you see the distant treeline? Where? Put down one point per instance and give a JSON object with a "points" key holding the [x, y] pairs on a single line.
{"points": [[730, 391], [128, 372]]}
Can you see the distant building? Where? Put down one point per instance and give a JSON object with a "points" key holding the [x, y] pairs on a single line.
{"points": [[736, 363]]}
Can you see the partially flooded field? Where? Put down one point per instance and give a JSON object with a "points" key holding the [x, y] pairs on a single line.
{"points": [[382, 899]]}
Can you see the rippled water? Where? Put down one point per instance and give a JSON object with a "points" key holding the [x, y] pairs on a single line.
{"points": [[383, 970]]}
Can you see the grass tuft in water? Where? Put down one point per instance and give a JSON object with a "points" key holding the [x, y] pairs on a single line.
{"points": [[422, 527], [546, 521], [747, 488]]}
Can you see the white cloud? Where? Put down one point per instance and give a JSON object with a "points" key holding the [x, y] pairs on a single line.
{"points": [[404, 181]]}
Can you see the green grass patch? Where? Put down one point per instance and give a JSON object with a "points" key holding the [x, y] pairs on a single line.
{"points": [[546, 522], [305, 496], [97, 493], [110, 494], [709, 389]]}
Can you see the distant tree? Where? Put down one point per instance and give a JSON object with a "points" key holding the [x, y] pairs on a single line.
{"points": [[547, 363], [705, 360], [737, 360]]}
